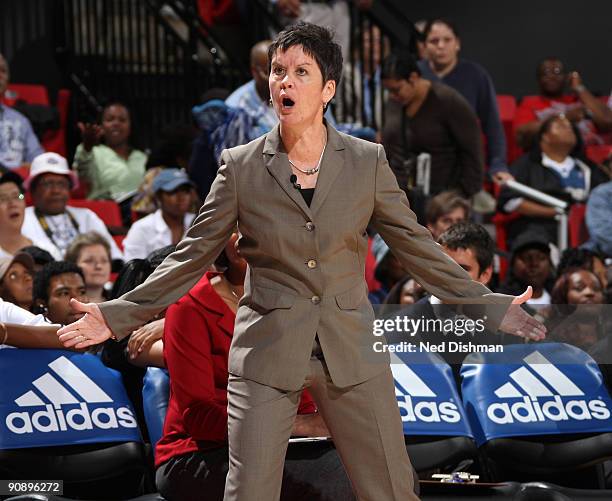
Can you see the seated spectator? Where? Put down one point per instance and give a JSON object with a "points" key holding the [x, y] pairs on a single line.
{"points": [[51, 224], [195, 430], [598, 220], [576, 314], [12, 212], [18, 143], [167, 225], [405, 292], [585, 259], [40, 256], [107, 159], [444, 210], [429, 117], [254, 96], [530, 264], [91, 252], [54, 286], [592, 117], [471, 80], [556, 167], [388, 270], [16, 274]]}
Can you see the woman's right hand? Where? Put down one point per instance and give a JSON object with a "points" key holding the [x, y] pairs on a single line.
{"points": [[90, 134], [89, 330]]}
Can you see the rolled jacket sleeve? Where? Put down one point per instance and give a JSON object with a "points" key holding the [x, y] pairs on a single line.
{"points": [[183, 268]]}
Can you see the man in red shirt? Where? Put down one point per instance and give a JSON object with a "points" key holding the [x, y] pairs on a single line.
{"points": [[592, 117]]}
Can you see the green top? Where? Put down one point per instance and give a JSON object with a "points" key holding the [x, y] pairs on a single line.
{"points": [[110, 175]]}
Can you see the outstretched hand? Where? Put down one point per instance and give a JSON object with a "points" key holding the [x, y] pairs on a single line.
{"points": [[520, 323], [90, 329]]}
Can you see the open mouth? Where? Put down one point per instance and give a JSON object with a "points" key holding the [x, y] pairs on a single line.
{"points": [[288, 102]]}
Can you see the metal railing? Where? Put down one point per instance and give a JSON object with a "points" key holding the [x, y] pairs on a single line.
{"points": [[560, 207]]}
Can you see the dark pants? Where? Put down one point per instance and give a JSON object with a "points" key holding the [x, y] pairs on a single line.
{"points": [[313, 472]]}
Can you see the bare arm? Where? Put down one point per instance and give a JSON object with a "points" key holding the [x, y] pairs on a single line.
{"points": [[601, 114], [32, 336], [534, 209]]}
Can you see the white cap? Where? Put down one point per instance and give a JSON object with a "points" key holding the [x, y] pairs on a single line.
{"points": [[50, 163]]}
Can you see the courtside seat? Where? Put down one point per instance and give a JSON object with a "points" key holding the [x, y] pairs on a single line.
{"points": [[436, 430], [67, 416], [539, 412], [155, 395]]}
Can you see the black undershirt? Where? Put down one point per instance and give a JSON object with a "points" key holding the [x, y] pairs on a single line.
{"points": [[307, 194]]}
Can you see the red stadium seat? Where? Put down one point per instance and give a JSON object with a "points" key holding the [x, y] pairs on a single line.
{"points": [[599, 153], [30, 93], [501, 220], [578, 232], [507, 111], [107, 210]]}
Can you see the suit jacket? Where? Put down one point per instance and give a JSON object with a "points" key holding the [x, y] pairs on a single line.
{"points": [[306, 264]]}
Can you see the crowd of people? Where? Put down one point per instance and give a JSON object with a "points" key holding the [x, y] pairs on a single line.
{"points": [[436, 103]]}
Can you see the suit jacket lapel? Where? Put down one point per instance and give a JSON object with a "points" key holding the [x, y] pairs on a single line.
{"points": [[277, 164], [331, 166]]}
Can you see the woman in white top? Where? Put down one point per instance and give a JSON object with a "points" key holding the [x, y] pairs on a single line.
{"points": [[166, 226], [12, 210]]}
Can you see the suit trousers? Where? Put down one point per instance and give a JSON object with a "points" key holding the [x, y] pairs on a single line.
{"points": [[363, 419]]}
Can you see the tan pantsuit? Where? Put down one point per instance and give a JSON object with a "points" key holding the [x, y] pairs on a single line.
{"points": [[305, 278]]}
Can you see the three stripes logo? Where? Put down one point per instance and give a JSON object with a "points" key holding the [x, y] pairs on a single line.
{"points": [[70, 400], [416, 400], [543, 393]]}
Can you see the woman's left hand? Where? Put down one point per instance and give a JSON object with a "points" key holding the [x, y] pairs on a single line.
{"points": [[520, 323], [143, 338]]}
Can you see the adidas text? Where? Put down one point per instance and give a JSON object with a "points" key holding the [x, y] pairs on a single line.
{"points": [[530, 410], [54, 419]]}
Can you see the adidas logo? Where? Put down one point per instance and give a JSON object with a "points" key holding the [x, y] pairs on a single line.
{"points": [[61, 393], [416, 400], [545, 393]]}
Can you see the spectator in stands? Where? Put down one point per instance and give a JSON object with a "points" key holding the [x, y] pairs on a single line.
{"points": [[585, 259], [471, 80], [405, 292], [531, 264], [18, 143], [12, 211], [598, 220], [254, 96], [107, 159], [16, 275], [592, 117], [54, 286], [471, 246], [174, 147], [168, 224], [51, 224], [444, 210], [91, 252], [332, 13], [40, 256], [576, 314], [556, 167], [388, 270], [429, 117], [195, 430]]}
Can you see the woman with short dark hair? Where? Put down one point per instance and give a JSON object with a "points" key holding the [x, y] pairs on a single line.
{"points": [[302, 197]]}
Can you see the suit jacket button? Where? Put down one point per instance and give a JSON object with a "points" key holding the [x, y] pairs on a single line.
{"points": [[311, 264], [315, 299], [310, 226]]}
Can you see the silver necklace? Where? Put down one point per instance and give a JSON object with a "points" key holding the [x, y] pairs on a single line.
{"points": [[314, 170]]}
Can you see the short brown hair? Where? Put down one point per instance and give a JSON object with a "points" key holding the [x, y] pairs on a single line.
{"points": [[85, 240], [443, 203]]}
